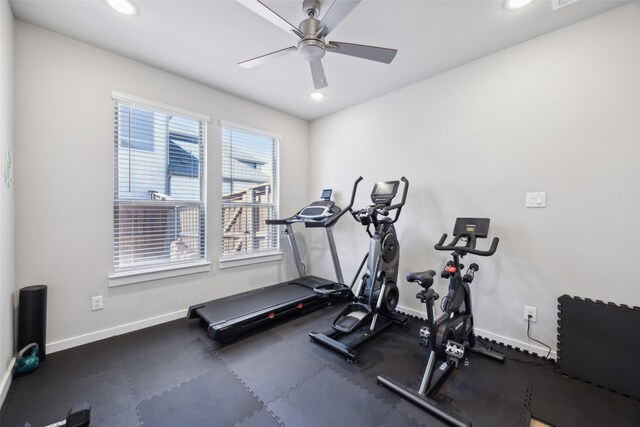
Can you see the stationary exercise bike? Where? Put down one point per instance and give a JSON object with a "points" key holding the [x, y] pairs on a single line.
{"points": [[376, 296], [451, 334]]}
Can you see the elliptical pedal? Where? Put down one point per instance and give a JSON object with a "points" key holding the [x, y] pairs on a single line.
{"points": [[350, 321]]}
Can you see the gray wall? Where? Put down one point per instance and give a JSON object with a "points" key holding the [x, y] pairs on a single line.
{"points": [[558, 114], [64, 143], [7, 269]]}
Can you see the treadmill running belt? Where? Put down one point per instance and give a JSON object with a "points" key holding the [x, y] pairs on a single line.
{"points": [[256, 300]]}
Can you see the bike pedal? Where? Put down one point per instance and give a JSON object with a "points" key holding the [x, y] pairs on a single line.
{"points": [[425, 336], [454, 349]]}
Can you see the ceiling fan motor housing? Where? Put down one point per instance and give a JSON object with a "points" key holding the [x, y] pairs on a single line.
{"points": [[311, 47]]}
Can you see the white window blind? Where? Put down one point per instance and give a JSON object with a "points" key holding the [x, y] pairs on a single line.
{"points": [[159, 187], [249, 192]]}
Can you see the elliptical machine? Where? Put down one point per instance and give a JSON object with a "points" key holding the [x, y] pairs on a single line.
{"points": [[451, 334], [376, 296]]}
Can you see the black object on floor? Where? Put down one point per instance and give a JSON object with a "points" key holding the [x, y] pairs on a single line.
{"points": [[32, 318], [170, 374], [600, 343]]}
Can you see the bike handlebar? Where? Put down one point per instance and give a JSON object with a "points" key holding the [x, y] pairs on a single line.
{"points": [[469, 248]]}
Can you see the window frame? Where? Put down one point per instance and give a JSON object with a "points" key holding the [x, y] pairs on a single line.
{"points": [[274, 254], [160, 270]]}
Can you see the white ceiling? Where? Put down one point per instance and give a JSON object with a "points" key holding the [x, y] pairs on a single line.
{"points": [[203, 40]]}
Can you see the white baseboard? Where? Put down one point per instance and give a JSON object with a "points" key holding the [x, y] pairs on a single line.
{"points": [[6, 381], [55, 346], [540, 351], [522, 345]]}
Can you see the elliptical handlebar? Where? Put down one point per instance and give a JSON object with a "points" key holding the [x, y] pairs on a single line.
{"points": [[469, 248], [348, 208], [399, 206], [381, 209]]}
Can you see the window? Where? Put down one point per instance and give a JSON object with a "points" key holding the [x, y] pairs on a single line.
{"points": [[159, 187], [139, 133], [249, 191]]}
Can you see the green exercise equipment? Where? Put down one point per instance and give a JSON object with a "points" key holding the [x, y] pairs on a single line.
{"points": [[27, 363]]}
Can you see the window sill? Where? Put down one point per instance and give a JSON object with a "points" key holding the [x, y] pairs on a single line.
{"points": [[239, 261], [144, 275]]}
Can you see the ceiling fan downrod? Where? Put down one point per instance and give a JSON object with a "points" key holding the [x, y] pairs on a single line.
{"points": [[311, 46]]}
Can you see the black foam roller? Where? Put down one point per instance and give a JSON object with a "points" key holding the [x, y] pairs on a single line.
{"points": [[32, 318]]}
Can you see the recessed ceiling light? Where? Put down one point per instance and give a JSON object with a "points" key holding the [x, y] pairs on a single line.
{"points": [[122, 6], [516, 4], [316, 95]]}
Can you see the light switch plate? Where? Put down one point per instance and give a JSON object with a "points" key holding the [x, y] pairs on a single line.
{"points": [[536, 200]]}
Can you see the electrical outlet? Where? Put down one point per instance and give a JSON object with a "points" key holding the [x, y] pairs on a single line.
{"points": [[530, 311], [97, 303]]}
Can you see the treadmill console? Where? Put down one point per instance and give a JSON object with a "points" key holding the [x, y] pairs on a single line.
{"points": [[384, 192], [319, 210]]}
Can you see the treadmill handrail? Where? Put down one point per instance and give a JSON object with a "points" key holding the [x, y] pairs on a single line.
{"points": [[348, 208]]}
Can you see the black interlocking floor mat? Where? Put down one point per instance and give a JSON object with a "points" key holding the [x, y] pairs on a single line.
{"points": [[329, 399], [179, 365], [598, 343], [489, 392], [217, 398], [128, 417], [173, 374], [262, 418], [416, 414], [395, 354], [106, 390], [283, 363], [563, 401]]}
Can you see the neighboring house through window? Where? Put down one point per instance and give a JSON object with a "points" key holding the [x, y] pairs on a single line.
{"points": [[159, 187], [249, 191]]}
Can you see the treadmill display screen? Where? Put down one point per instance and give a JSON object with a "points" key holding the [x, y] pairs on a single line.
{"points": [[326, 194]]}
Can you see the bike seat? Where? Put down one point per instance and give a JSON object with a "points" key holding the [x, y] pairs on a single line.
{"points": [[424, 278]]}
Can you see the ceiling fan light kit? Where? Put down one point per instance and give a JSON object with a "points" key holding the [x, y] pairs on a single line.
{"points": [[517, 4], [311, 32], [123, 6], [317, 96]]}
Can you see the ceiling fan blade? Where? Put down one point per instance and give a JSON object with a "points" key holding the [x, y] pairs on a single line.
{"points": [[263, 10], [372, 53], [254, 62], [336, 13], [317, 72]]}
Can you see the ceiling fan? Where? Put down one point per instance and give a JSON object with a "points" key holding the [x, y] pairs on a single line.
{"points": [[311, 34]]}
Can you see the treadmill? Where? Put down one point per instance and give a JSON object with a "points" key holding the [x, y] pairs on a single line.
{"points": [[227, 318]]}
